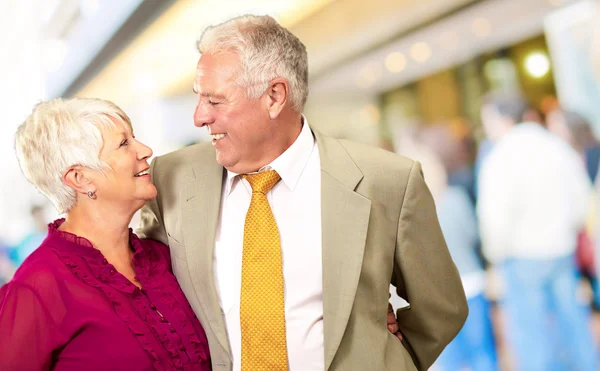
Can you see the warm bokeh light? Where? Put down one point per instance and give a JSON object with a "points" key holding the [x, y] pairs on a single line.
{"points": [[537, 64], [420, 52], [370, 114], [369, 75], [395, 62]]}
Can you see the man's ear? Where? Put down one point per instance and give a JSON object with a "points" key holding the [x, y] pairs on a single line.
{"points": [[277, 96], [76, 178]]}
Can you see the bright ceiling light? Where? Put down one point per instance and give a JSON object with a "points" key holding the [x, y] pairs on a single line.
{"points": [[395, 62], [537, 64], [420, 52]]}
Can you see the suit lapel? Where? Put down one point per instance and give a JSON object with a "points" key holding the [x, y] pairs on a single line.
{"points": [[200, 212], [345, 220]]}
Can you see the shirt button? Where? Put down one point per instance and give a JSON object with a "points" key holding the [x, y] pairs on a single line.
{"points": [[152, 306], [112, 271], [172, 329], [105, 262], [163, 319]]}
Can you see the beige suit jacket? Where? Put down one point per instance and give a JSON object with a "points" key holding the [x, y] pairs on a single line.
{"points": [[379, 225]]}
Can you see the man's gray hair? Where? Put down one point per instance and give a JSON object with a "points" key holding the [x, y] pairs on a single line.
{"points": [[266, 51], [59, 134]]}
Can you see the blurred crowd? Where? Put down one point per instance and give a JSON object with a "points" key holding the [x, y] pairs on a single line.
{"points": [[518, 212], [11, 256]]}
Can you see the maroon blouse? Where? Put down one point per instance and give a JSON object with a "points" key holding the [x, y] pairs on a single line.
{"points": [[67, 308]]}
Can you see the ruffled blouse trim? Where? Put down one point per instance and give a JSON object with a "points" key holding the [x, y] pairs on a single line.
{"points": [[138, 328], [154, 274], [181, 312]]}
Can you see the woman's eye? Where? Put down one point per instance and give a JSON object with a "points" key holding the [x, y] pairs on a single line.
{"points": [[124, 143]]}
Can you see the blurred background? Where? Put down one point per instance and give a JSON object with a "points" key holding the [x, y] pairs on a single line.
{"points": [[405, 75]]}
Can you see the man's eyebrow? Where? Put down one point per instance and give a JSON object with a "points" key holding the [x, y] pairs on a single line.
{"points": [[211, 95]]}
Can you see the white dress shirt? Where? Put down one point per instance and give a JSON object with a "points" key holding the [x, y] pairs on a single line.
{"points": [[533, 196], [296, 205]]}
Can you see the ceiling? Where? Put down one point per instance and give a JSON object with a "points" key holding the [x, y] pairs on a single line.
{"points": [[482, 27], [353, 48], [161, 60]]}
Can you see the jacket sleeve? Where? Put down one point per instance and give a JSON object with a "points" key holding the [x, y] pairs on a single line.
{"points": [[426, 277], [151, 223]]}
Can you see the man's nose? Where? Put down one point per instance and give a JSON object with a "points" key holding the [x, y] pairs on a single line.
{"points": [[202, 116]]}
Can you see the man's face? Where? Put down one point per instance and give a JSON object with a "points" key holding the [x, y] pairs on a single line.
{"points": [[239, 126]]}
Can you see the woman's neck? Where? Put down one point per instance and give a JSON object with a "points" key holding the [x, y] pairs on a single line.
{"points": [[106, 230]]}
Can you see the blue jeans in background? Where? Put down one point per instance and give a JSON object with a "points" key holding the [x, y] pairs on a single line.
{"points": [[474, 347], [547, 328]]}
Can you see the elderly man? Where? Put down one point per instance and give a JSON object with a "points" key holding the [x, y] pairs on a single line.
{"points": [[286, 244]]}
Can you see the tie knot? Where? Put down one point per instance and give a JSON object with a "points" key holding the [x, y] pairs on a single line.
{"points": [[262, 182]]}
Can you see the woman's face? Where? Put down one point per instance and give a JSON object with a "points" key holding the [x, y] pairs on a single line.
{"points": [[127, 182]]}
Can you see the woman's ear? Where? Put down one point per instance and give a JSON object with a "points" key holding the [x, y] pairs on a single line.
{"points": [[76, 177]]}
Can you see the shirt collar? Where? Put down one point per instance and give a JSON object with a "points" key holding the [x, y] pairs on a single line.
{"points": [[290, 164]]}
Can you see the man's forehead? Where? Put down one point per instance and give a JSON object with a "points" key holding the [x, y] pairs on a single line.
{"points": [[215, 72]]}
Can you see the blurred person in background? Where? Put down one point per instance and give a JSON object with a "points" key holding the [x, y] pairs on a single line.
{"points": [[533, 196], [595, 57], [93, 295], [342, 221], [495, 129], [450, 143], [28, 244], [7, 267], [474, 347], [577, 131]]}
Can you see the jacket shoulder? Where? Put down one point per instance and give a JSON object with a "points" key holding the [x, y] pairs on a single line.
{"points": [[176, 166], [372, 160], [187, 155]]}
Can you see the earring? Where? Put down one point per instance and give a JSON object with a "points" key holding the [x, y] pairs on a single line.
{"points": [[92, 195]]}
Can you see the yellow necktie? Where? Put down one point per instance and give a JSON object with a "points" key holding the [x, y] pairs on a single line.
{"points": [[262, 310]]}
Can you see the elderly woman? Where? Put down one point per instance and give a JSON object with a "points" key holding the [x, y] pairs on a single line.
{"points": [[93, 296]]}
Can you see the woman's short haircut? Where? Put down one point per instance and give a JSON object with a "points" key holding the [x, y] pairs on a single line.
{"points": [[59, 134]]}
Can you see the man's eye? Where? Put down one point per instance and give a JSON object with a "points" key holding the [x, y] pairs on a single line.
{"points": [[213, 103], [124, 143]]}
